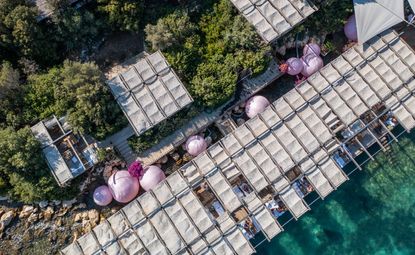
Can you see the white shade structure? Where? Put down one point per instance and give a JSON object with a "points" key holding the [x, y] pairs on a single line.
{"points": [[293, 139], [375, 16]]}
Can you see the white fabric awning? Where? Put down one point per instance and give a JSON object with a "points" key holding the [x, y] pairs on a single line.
{"points": [[375, 16], [412, 4]]}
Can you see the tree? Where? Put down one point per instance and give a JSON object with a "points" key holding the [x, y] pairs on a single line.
{"points": [[10, 93], [123, 14], [215, 81], [91, 108], [75, 29], [170, 31], [23, 35]]}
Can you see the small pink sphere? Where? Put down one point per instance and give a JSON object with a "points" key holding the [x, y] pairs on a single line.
{"points": [[350, 29], [123, 186], [255, 105], [195, 145], [311, 48], [295, 66], [312, 64], [152, 176], [102, 195]]}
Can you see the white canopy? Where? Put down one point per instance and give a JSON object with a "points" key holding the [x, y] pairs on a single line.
{"points": [[412, 4], [375, 16]]}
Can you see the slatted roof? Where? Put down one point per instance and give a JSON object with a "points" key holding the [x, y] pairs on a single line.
{"points": [[149, 92], [295, 132], [273, 18]]}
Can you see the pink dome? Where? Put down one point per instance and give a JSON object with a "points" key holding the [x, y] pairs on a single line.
{"points": [[295, 66], [350, 29], [123, 186], [152, 176], [255, 105], [311, 48], [102, 195], [195, 145], [312, 64]]}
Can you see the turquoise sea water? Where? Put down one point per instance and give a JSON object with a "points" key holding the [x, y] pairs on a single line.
{"points": [[372, 213]]}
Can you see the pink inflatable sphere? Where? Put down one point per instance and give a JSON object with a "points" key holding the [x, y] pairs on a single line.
{"points": [[152, 176], [255, 105], [102, 195], [123, 186], [350, 29], [312, 64], [311, 48], [195, 145], [295, 66]]}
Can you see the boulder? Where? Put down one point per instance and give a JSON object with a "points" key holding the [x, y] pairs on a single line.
{"points": [[59, 222], [5, 219], [78, 217], [93, 216], [48, 213], [68, 203], [26, 211], [33, 218], [43, 204]]}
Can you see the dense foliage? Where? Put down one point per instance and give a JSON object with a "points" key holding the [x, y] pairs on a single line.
{"points": [[125, 15], [209, 51], [77, 90], [24, 175]]}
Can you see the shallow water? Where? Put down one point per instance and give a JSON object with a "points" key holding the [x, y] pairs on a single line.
{"points": [[372, 213]]}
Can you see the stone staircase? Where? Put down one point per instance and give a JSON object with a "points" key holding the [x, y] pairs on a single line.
{"points": [[125, 151]]}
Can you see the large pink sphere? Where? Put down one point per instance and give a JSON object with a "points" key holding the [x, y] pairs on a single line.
{"points": [[195, 145], [255, 105], [123, 186], [311, 48], [312, 64], [152, 176], [102, 195], [350, 29], [295, 66]]}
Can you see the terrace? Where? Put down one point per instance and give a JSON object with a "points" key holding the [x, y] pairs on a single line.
{"points": [[67, 154]]}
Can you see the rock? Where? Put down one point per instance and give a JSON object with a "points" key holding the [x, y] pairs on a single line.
{"points": [[48, 213], [81, 206], [78, 217], [59, 222], [93, 216], [5, 219], [33, 218], [175, 156], [26, 211], [68, 203], [62, 212], [43, 204]]}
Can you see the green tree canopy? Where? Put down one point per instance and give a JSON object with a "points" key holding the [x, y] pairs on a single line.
{"points": [[77, 90], [125, 15], [21, 33], [10, 94], [24, 174], [170, 31]]}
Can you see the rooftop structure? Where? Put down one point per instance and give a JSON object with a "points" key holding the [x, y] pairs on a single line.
{"points": [[67, 154], [273, 18], [149, 92], [247, 181], [45, 10]]}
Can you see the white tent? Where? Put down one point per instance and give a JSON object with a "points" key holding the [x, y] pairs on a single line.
{"points": [[375, 16], [412, 4]]}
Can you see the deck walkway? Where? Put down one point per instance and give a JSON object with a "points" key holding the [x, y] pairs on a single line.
{"points": [[202, 208]]}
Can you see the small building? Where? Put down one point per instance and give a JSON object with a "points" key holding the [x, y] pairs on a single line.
{"points": [[67, 154], [148, 91], [45, 10]]}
